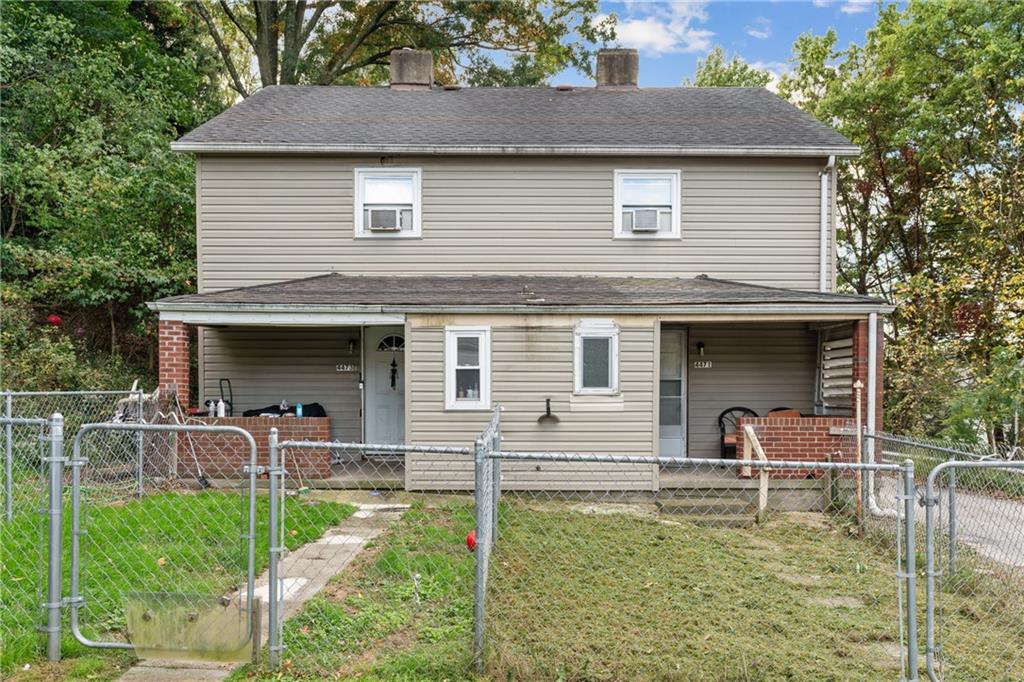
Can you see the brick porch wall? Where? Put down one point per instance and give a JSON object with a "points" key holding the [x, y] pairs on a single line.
{"points": [[860, 367], [173, 345], [803, 439], [225, 455]]}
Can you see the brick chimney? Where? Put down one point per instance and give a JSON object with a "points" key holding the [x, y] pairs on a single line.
{"points": [[412, 69], [618, 68]]}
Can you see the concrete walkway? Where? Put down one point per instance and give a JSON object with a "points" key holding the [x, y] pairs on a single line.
{"points": [[304, 573]]}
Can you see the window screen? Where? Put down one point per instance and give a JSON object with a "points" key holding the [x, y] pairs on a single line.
{"points": [[597, 362]]}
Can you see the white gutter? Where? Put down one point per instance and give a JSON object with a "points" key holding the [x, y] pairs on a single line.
{"points": [[387, 314], [561, 150], [823, 225]]}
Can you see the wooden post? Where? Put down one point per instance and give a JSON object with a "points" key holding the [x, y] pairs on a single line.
{"points": [[256, 614]]}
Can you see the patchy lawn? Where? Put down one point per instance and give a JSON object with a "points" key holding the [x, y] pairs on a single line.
{"points": [[584, 596], [185, 542]]}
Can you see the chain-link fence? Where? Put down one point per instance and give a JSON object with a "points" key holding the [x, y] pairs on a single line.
{"points": [[715, 573], [370, 553], [77, 408], [164, 534], [22, 534], [974, 543]]}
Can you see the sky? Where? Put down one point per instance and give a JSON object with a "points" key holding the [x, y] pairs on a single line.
{"points": [[672, 36]]}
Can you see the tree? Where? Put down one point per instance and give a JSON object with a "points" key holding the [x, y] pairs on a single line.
{"points": [[717, 71], [97, 213], [341, 41], [930, 211]]}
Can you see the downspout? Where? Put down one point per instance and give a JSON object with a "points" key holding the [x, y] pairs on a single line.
{"points": [[823, 257], [870, 421]]}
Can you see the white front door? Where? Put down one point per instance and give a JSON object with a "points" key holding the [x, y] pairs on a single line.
{"points": [[384, 390], [672, 394]]}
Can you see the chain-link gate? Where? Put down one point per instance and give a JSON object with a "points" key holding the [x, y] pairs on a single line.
{"points": [[164, 535], [362, 555], [973, 536], [975, 569]]}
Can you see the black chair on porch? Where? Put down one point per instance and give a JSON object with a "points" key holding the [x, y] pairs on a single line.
{"points": [[727, 429]]}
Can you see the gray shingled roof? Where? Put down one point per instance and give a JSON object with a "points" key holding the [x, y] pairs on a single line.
{"points": [[516, 120], [505, 290]]}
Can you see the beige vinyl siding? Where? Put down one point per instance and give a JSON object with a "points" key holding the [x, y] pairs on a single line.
{"points": [[757, 366], [268, 364], [266, 219], [531, 360]]}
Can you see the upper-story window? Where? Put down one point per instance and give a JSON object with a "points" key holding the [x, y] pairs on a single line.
{"points": [[647, 204], [387, 202]]}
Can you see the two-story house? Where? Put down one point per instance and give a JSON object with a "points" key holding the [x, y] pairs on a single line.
{"points": [[646, 259]]}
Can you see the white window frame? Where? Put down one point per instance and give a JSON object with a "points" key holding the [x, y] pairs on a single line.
{"points": [[599, 329], [362, 231], [451, 336], [675, 231]]}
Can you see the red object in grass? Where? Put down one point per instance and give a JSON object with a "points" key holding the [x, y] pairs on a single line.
{"points": [[54, 319], [471, 540]]}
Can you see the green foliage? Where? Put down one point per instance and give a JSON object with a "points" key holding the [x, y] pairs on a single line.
{"points": [[717, 71], [992, 402], [97, 212], [481, 43], [931, 214]]}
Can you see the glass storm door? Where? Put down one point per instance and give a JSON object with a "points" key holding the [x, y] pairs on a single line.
{"points": [[672, 394]]}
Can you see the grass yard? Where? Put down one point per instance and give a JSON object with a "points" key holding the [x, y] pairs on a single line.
{"points": [[582, 596], [185, 542], [374, 622]]}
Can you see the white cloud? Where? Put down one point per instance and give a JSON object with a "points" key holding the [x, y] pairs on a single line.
{"points": [[761, 28], [777, 71], [664, 28], [821, 3], [855, 6]]}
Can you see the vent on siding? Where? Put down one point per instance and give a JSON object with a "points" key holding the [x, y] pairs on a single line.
{"points": [[835, 386]]}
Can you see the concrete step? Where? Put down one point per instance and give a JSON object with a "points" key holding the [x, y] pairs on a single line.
{"points": [[725, 521], [711, 506]]}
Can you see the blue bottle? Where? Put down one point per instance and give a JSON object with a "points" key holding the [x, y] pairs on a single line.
{"points": [[298, 409]]}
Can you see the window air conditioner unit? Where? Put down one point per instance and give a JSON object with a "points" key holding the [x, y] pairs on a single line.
{"points": [[383, 219], [645, 220]]}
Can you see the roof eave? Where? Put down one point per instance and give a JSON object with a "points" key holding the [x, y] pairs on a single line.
{"points": [[174, 310], [512, 150]]}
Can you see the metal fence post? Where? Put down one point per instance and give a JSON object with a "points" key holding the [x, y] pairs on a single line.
{"points": [[482, 515], [931, 500], [56, 506], [909, 502], [8, 457], [274, 481], [495, 483], [952, 517], [141, 441]]}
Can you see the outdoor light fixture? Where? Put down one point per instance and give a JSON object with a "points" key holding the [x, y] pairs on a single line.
{"points": [[700, 348]]}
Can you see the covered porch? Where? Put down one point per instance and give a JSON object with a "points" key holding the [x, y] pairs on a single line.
{"points": [[694, 360]]}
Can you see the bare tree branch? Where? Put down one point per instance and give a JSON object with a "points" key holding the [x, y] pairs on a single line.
{"points": [[335, 65], [221, 47], [318, 12], [238, 24]]}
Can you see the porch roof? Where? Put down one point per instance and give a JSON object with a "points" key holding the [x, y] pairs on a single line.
{"points": [[516, 293]]}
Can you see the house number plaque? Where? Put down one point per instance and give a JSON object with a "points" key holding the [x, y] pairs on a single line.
{"points": [[346, 368], [702, 364]]}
